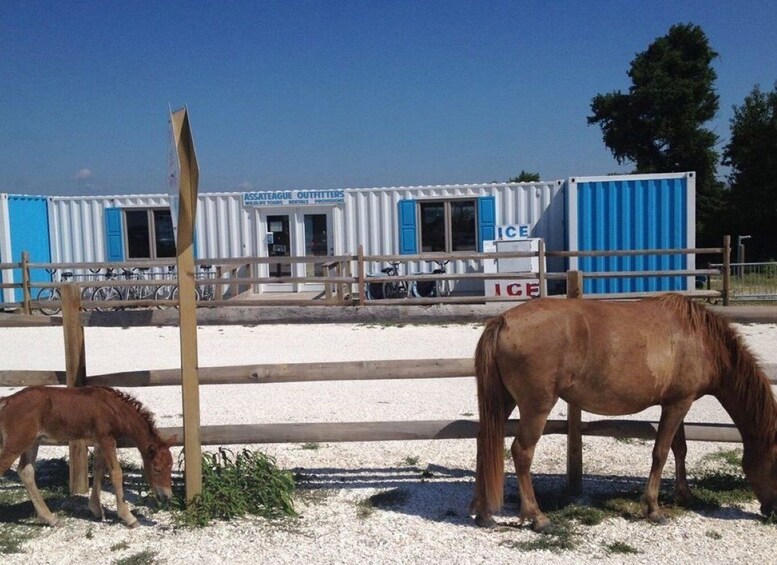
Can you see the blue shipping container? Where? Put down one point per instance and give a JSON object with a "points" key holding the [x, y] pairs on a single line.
{"points": [[29, 227], [632, 212]]}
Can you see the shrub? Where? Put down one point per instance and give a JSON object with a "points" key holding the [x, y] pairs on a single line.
{"points": [[234, 485]]}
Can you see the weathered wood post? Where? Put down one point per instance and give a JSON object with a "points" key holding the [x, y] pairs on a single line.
{"points": [[360, 267], [26, 282], [726, 269], [574, 414], [75, 376], [542, 276], [184, 179]]}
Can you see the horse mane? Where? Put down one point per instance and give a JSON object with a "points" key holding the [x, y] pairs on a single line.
{"points": [[134, 404], [733, 359]]}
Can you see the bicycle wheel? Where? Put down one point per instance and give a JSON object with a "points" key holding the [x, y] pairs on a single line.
{"points": [[374, 291], [48, 295], [424, 289], [163, 293], [174, 294], [394, 290], [105, 294]]}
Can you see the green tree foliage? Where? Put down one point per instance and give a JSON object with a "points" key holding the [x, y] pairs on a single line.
{"points": [[526, 176], [752, 155], [658, 124]]}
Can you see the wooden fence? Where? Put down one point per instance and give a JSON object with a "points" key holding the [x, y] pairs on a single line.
{"points": [[75, 375], [344, 277]]}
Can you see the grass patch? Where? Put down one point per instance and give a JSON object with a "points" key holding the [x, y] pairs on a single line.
{"points": [[729, 458], [713, 534], [311, 446], [411, 460], [586, 515], [560, 537], [146, 557], [234, 485], [720, 488], [122, 545], [12, 537], [622, 548]]}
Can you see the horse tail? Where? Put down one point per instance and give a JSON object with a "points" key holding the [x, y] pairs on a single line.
{"points": [[489, 480]]}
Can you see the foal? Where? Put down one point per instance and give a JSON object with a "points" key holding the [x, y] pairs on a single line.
{"points": [[101, 415]]}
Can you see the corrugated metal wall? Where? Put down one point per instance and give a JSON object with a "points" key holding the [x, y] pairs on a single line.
{"points": [[627, 213], [225, 228], [371, 218]]}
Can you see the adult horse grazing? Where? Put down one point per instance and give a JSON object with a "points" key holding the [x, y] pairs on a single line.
{"points": [[100, 414], [616, 358]]}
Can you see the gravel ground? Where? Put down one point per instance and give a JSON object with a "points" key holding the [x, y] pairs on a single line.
{"points": [[431, 524]]}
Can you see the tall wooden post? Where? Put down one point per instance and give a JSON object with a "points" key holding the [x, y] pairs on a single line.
{"points": [[542, 274], [26, 282], [75, 375], [574, 414], [726, 269], [187, 208], [360, 268]]}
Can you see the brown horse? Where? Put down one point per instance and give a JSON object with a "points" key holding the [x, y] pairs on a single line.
{"points": [[101, 415], [616, 358]]}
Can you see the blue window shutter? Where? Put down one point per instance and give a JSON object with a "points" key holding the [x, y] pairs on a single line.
{"points": [[486, 219], [408, 240], [114, 235]]}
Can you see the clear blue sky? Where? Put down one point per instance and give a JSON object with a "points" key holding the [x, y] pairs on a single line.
{"points": [[289, 94]]}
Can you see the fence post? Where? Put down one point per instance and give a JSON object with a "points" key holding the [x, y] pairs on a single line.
{"points": [[75, 375], [26, 282], [726, 269], [574, 414], [360, 268], [541, 259]]}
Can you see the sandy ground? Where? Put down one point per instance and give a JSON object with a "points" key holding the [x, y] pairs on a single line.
{"points": [[431, 525]]}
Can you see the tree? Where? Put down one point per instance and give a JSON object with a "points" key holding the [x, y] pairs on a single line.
{"points": [[658, 124], [526, 176], [752, 155]]}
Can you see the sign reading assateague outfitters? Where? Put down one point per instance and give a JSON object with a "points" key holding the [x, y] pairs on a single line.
{"points": [[293, 197]]}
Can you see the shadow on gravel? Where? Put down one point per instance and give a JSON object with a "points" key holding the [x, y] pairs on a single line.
{"points": [[52, 478], [442, 494]]}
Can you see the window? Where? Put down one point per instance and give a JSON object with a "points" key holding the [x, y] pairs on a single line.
{"points": [[149, 234], [448, 226]]}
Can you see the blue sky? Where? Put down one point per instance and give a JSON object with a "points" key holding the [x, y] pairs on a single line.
{"points": [[285, 95]]}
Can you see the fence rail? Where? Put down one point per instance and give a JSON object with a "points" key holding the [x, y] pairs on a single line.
{"points": [[749, 282], [75, 375], [343, 277]]}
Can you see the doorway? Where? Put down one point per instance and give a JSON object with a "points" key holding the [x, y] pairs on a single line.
{"points": [[278, 244], [298, 232]]}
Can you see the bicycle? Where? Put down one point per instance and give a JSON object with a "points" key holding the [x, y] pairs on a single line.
{"points": [[430, 289], [206, 291], [387, 289], [170, 291], [52, 294], [137, 291]]}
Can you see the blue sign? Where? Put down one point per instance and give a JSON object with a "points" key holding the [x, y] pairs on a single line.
{"points": [[293, 197]]}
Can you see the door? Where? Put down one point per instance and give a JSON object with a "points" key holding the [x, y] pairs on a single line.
{"points": [[279, 244], [317, 242]]}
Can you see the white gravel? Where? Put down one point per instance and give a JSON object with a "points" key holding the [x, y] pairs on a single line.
{"points": [[432, 524]]}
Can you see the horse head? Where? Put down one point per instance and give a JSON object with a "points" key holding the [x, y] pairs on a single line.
{"points": [[158, 468], [760, 467]]}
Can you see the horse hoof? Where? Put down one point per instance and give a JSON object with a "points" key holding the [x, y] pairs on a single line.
{"points": [[133, 525], [658, 519], [542, 526], [485, 522]]}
